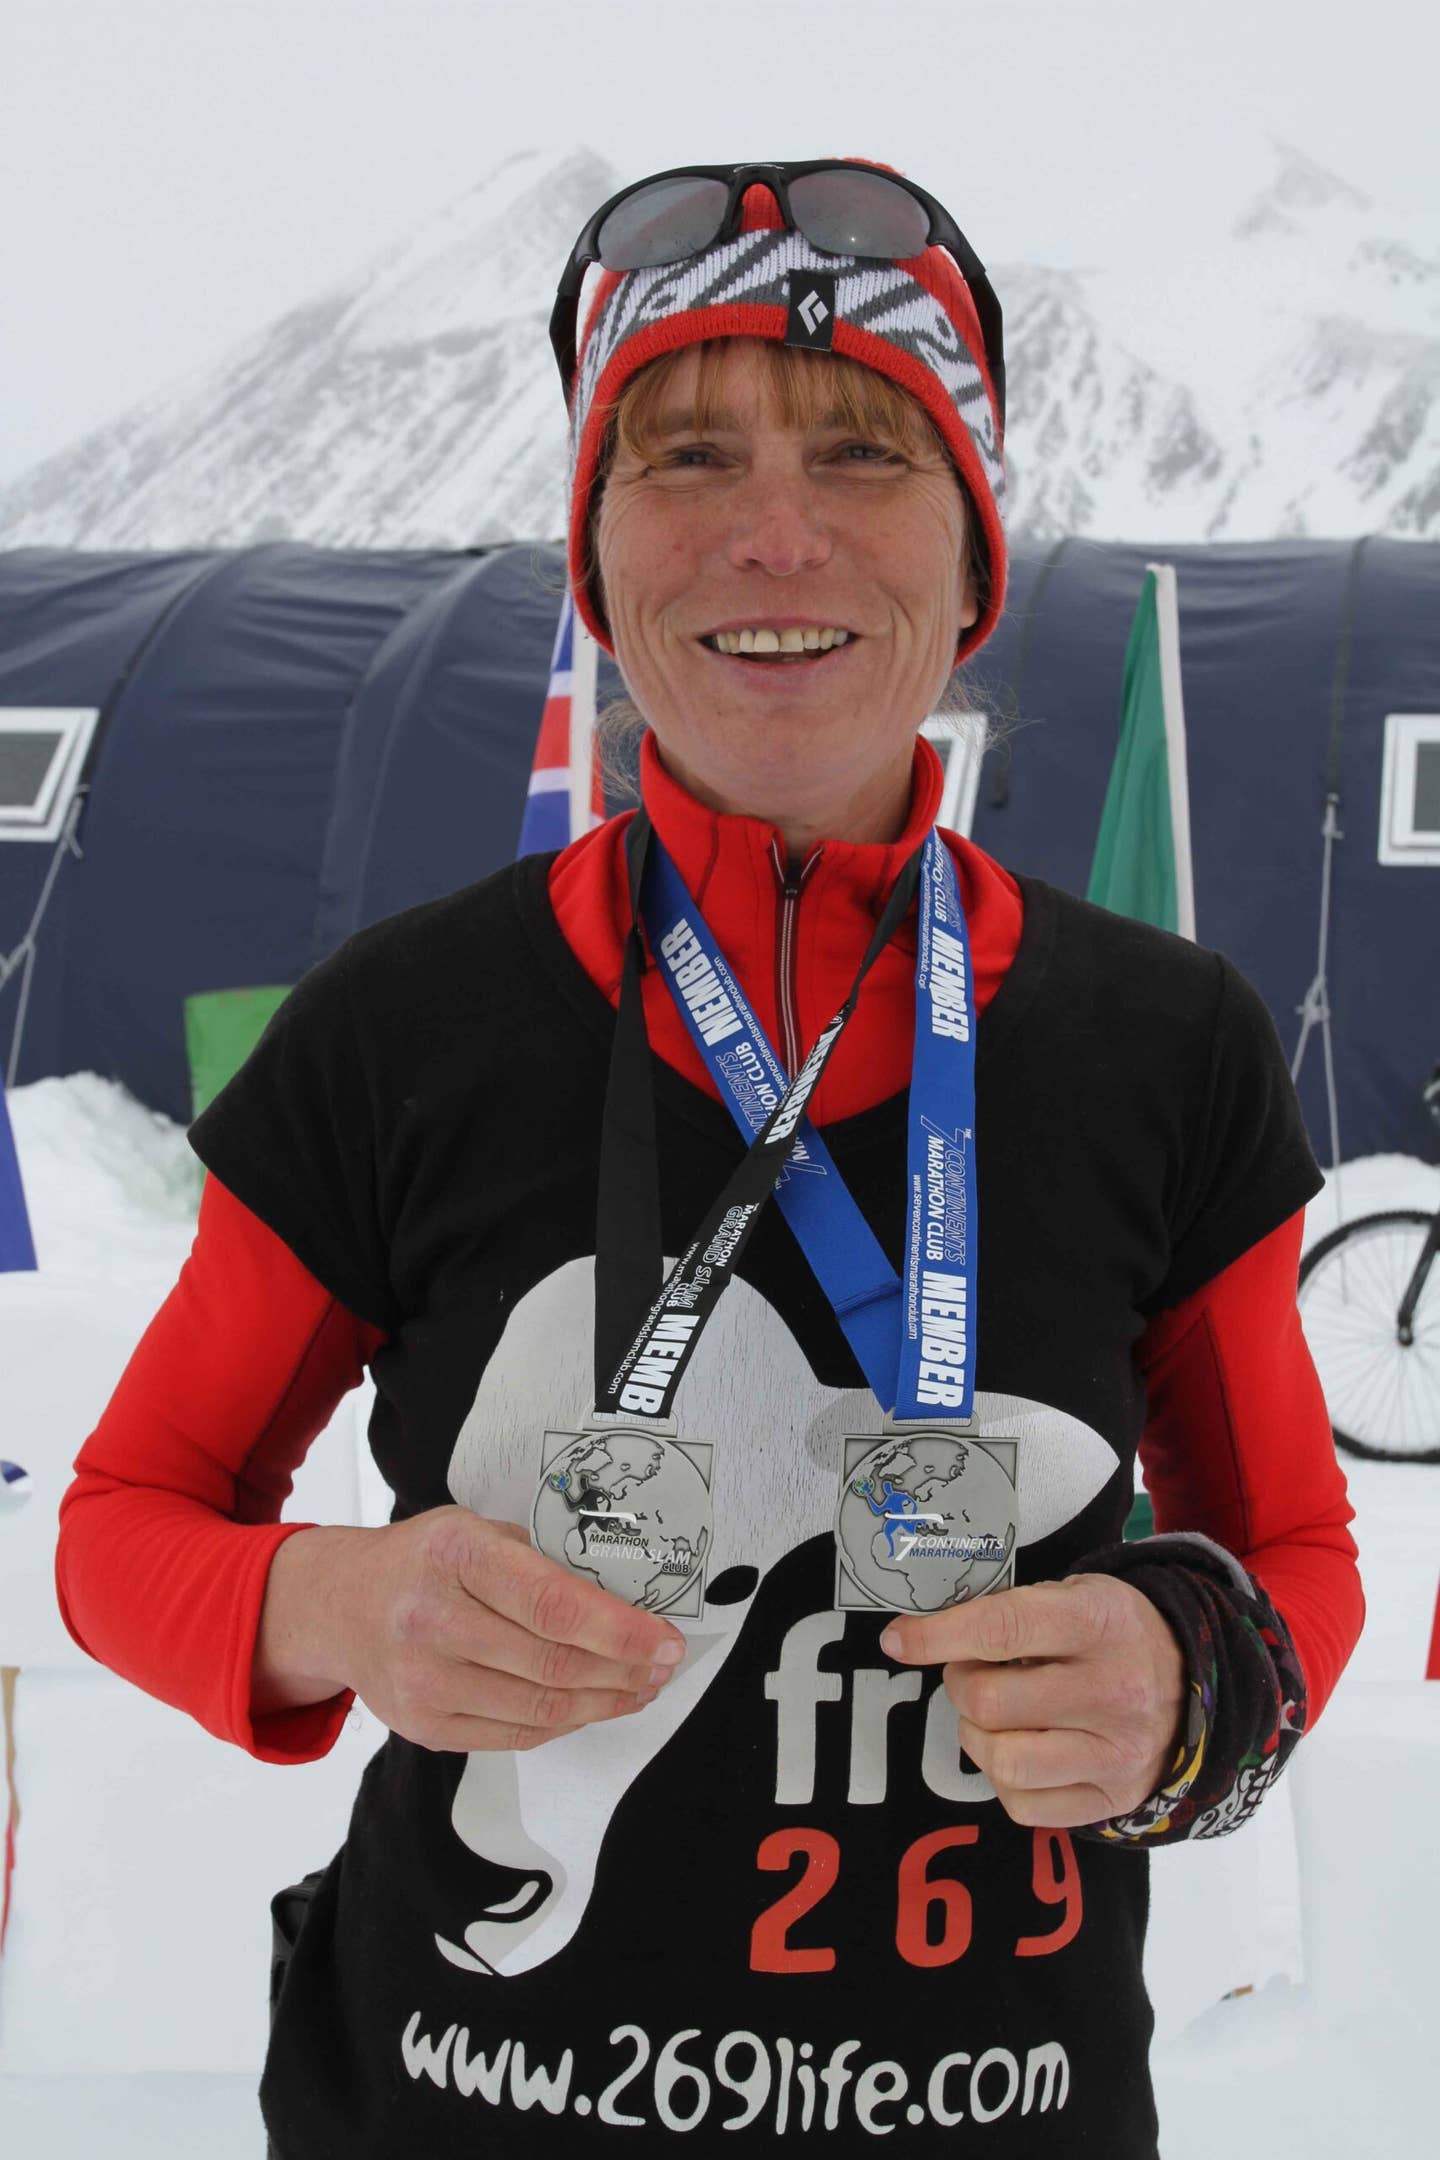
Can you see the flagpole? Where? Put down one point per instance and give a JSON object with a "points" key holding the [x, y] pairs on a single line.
{"points": [[1167, 616], [584, 670]]}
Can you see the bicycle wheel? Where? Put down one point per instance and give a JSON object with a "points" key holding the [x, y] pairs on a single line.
{"points": [[1383, 1395]]}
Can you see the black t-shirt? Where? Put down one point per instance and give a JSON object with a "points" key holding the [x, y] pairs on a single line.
{"points": [[778, 1901]]}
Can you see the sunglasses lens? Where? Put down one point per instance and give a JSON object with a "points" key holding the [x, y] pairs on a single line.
{"points": [[856, 213], [662, 223]]}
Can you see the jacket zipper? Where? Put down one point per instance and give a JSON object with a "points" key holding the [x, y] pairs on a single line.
{"points": [[791, 885]]}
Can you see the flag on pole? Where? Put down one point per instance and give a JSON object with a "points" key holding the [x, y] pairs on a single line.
{"points": [[1142, 863], [17, 1247], [565, 798]]}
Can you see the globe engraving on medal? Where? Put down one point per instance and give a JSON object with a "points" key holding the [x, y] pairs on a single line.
{"points": [[630, 1510], [925, 1520]]}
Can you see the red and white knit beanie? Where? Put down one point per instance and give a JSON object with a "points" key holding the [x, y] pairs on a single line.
{"points": [[913, 321]]}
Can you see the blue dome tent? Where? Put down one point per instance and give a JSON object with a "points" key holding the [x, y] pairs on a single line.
{"points": [[271, 747]]}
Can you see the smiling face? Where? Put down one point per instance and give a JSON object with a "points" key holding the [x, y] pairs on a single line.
{"points": [[757, 520]]}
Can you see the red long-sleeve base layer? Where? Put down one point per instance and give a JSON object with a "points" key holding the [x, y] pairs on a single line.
{"points": [[169, 1527]]}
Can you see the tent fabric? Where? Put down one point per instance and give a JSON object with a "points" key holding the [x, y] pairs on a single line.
{"points": [[297, 741], [438, 742], [1292, 654]]}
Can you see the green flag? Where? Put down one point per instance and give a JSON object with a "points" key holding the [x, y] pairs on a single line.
{"points": [[1142, 856], [222, 1027]]}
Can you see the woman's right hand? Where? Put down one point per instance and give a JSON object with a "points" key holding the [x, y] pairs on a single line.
{"points": [[460, 1636]]}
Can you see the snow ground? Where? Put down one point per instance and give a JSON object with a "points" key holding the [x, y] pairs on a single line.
{"points": [[131, 1993]]}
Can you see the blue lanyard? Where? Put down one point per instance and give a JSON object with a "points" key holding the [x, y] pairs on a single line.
{"points": [[914, 1340]]}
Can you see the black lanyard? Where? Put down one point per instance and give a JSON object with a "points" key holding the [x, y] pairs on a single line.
{"points": [[637, 1372]]}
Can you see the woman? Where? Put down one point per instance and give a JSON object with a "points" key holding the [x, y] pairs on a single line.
{"points": [[677, 1827]]}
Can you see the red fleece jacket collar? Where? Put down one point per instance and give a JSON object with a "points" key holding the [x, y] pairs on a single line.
{"points": [[797, 957]]}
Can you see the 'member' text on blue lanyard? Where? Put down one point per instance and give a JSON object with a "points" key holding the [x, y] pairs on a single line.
{"points": [[913, 1339]]}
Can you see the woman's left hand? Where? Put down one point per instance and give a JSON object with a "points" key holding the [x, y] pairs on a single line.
{"points": [[1069, 1693]]}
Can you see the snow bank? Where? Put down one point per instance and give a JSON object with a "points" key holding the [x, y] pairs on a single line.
{"points": [[113, 1191]]}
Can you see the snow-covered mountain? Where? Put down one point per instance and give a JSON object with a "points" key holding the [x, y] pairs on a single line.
{"points": [[417, 404], [1308, 339], [1283, 381]]}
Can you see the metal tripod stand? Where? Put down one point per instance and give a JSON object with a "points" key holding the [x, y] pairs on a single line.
{"points": [[1315, 1010]]}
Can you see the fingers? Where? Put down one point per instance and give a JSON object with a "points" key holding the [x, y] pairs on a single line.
{"points": [[1037, 1620], [546, 1600], [1107, 1696], [1041, 1761], [1065, 1807], [522, 1706], [1004, 1698], [553, 1603], [480, 1637]]}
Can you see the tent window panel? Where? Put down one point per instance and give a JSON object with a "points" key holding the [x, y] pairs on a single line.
{"points": [[1410, 790], [959, 741], [1427, 790], [43, 749], [26, 762]]}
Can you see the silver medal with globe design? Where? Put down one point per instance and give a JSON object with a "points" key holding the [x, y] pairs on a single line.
{"points": [[627, 1506], [928, 1516]]}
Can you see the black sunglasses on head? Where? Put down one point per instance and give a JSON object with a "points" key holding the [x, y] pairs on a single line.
{"points": [[841, 207]]}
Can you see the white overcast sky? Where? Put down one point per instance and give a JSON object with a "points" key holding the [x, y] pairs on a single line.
{"points": [[174, 173]]}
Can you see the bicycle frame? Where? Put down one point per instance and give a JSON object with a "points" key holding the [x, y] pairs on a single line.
{"points": [[1405, 1318]]}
